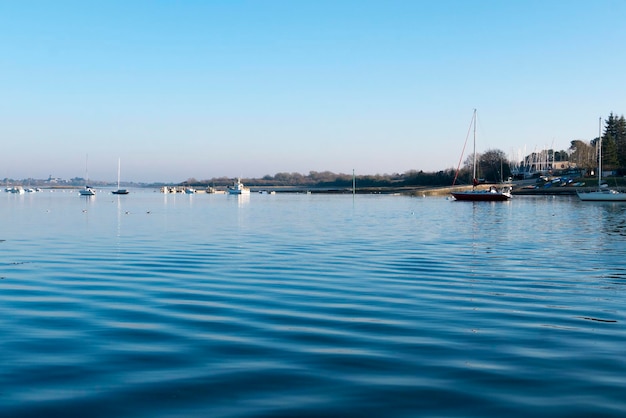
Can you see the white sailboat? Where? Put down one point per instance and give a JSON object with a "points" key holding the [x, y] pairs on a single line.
{"points": [[602, 194], [88, 190], [119, 191], [475, 195]]}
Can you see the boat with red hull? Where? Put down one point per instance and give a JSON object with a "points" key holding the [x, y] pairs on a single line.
{"points": [[493, 194]]}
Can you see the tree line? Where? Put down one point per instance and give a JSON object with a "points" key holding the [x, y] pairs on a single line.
{"points": [[613, 143], [493, 166], [328, 179]]}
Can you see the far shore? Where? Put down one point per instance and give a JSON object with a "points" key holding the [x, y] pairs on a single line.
{"points": [[519, 188]]}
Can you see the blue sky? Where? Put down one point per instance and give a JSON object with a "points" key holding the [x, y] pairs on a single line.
{"points": [[181, 89]]}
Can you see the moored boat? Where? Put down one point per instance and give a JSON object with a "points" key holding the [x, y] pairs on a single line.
{"points": [[16, 190], [478, 195], [238, 188], [602, 193], [87, 191], [491, 195], [119, 191]]}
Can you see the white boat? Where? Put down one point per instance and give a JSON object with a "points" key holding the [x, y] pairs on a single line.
{"points": [[87, 191], [119, 191], [476, 195], [16, 190], [603, 193], [238, 188], [189, 190]]}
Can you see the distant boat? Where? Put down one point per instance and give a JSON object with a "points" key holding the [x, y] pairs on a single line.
{"points": [[87, 191], [119, 191], [475, 195], [238, 188], [189, 190], [16, 190], [602, 194]]}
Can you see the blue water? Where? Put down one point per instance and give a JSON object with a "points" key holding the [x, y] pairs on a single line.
{"points": [[153, 305]]}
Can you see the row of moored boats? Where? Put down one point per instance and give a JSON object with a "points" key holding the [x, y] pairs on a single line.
{"points": [[21, 190]]}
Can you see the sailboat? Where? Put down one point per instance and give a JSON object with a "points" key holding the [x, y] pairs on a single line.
{"points": [[119, 191], [87, 191], [602, 194], [475, 195]]}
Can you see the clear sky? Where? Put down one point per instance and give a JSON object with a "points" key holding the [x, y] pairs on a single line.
{"points": [[181, 89]]}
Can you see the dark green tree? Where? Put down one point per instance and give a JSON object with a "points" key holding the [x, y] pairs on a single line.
{"points": [[614, 142], [494, 165], [609, 153]]}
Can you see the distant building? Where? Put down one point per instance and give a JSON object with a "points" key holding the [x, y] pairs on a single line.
{"points": [[53, 180]]}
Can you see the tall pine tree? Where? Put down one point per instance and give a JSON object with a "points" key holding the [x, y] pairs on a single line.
{"points": [[614, 142]]}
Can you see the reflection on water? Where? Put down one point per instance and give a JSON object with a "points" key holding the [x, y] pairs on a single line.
{"points": [[294, 305], [612, 217], [242, 199]]}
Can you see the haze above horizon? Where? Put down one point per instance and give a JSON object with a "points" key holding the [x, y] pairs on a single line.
{"points": [[247, 88]]}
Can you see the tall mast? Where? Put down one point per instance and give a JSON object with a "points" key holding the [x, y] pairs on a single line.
{"points": [[600, 152], [474, 174]]}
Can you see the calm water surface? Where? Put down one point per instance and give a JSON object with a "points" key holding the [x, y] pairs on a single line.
{"points": [[153, 305]]}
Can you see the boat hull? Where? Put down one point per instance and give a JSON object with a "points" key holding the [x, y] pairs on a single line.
{"points": [[120, 191], [602, 196], [482, 196], [87, 191]]}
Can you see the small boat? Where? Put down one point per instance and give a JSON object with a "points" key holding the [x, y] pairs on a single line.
{"points": [[119, 191], [87, 191], [189, 190], [480, 195], [16, 190], [603, 193], [238, 188]]}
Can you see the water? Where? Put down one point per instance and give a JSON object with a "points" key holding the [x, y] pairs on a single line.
{"points": [[152, 305]]}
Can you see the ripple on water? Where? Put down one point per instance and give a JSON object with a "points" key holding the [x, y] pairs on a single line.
{"points": [[313, 306]]}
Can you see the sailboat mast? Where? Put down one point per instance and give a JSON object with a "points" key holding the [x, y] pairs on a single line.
{"points": [[600, 152], [118, 173], [474, 173]]}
